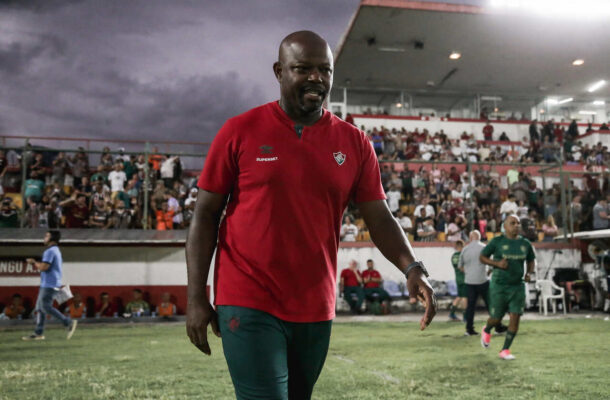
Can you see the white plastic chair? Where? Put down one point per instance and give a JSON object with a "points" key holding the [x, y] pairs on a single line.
{"points": [[546, 289]]}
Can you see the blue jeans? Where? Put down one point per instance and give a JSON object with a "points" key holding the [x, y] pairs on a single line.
{"points": [[44, 306]]}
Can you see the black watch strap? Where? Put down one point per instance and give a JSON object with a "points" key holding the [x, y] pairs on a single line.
{"points": [[414, 265]]}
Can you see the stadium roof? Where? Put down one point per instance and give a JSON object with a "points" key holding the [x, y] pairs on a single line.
{"points": [[394, 45]]}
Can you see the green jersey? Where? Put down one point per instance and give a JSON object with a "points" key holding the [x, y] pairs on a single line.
{"points": [[516, 251], [459, 275]]}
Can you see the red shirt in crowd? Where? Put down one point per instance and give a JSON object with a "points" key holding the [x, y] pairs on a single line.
{"points": [[349, 277], [488, 130], [277, 245], [76, 216], [371, 273]]}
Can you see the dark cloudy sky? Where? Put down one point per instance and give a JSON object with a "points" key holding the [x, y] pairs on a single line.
{"points": [[145, 69]]}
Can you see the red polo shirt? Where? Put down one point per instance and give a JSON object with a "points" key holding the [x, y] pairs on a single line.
{"points": [[277, 245], [349, 277], [371, 274]]}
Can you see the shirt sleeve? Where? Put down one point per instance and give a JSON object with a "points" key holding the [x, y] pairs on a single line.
{"points": [[368, 187], [48, 256], [489, 249], [220, 169]]}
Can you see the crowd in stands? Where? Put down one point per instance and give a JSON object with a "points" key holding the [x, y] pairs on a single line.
{"points": [[547, 143], [77, 308], [434, 204], [64, 191]]}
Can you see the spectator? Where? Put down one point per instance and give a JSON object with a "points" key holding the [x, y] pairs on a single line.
{"points": [[349, 231], [166, 309], [121, 217], [350, 285], [488, 131], [117, 179], [167, 171], [165, 218], [76, 211], [509, 206], [405, 222], [34, 187], [80, 167], [76, 307], [15, 310], [455, 228], [549, 229], [100, 215], [394, 197], [601, 214], [425, 227], [503, 137], [372, 287], [8, 214], [137, 307], [105, 309], [32, 213], [191, 198]]}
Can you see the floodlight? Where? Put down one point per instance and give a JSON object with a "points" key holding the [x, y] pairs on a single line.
{"points": [[569, 99], [578, 62], [596, 86], [586, 112], [455, 55], [599, 103]]}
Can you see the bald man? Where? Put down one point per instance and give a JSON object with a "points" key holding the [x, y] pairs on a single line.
{"points": [[288, 170], [507, 254], [475, 279]]}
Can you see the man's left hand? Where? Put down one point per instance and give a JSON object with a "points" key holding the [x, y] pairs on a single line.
{"points": [[527, 278], [420, 288]]}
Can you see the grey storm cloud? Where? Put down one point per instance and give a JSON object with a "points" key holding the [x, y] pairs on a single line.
{"points": [[152, 70]]}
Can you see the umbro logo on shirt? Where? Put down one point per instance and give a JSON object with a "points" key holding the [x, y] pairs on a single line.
{"points": [[265, 149]]}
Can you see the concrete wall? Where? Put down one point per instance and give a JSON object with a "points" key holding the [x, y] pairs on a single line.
{"points": [[158, 269]]}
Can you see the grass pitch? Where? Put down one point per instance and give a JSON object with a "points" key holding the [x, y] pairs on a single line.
{"points": [[556, 359]]}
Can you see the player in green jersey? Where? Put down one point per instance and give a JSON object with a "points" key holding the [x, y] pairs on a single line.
{"points": [[507, 290], [460, 301]]}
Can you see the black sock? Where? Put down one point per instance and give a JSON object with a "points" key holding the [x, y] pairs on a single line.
{"points": [[452, 309], [488, 328], [509, 339]]}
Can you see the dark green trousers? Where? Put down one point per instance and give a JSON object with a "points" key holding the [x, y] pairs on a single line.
{"points": [[354, 295], [269, 358]]}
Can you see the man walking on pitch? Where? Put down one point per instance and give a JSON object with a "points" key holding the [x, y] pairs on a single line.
{"points": [[50, 281], [507, 290], [475, 277], [288, 170]]}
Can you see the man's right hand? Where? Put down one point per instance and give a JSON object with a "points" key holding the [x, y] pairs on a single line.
{"points": [[503, 264], [198, 316]]}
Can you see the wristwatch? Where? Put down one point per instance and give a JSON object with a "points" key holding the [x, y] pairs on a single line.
{"points": [[416, 264]]}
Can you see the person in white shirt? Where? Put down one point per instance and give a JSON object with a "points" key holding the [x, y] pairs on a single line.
{"points": [[393, 196], [349, 231], [430, 211], [117, 179], [509, 206], [405, 222]]}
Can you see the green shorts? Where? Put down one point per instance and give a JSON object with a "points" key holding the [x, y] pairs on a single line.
{"points": [[462, 290], [269, 358], [506, 298]]}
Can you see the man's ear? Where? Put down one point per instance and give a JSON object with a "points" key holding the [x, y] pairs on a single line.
{"points": [[277, 70]]}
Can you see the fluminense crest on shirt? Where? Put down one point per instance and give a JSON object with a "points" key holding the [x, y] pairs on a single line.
{"points": [[339, 157]]}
